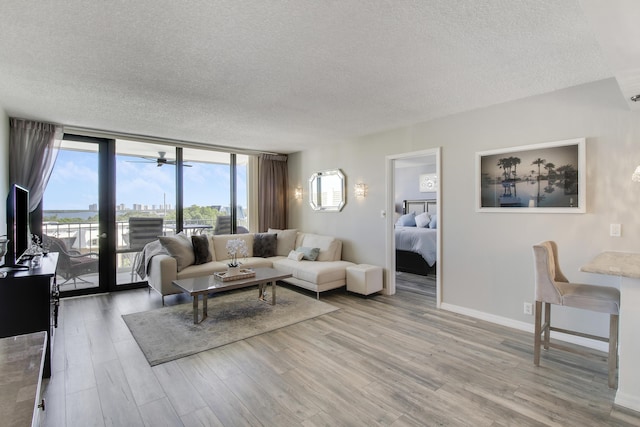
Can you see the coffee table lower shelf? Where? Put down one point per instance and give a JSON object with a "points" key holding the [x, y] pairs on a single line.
{"points": [[205, 285]]}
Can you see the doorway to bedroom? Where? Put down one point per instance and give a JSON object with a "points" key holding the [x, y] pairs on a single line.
{"points": [[413, 201]]}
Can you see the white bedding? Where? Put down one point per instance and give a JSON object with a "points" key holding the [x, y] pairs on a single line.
{"points": [[419, 240]]}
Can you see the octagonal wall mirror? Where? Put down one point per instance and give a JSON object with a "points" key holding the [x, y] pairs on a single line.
{"points": [[326, 191]]}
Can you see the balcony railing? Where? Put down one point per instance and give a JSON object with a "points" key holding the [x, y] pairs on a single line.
{"points": [[83, 236]]}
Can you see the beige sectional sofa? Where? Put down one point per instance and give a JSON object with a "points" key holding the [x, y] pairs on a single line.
{"points": [[327, 272]]}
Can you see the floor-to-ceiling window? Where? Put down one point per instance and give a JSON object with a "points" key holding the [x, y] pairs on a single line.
{"points": [[214, 182], [149, 187], [145, 190]]}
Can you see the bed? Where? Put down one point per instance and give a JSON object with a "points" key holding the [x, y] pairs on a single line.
{"points": [[416, 246]]}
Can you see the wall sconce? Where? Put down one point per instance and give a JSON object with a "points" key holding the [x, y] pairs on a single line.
{"points": [[298, 193], [360, 190], [636, 175]]}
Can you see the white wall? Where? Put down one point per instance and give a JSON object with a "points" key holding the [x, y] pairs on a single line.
{"points": [[487, 263], [4, 167]]}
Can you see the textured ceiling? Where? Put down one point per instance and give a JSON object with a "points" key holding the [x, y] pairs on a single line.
{"points": [[283, 75]]}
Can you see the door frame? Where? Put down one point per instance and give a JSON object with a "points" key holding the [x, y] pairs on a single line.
{"points": [[390, 281], [106, 215]]}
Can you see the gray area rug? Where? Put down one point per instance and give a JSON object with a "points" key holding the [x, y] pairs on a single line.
{"points": [[168, 333]]}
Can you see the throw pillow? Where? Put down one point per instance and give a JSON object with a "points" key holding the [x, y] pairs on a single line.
{"points": [[408, 220], [434, 221], [286, 240], [201, 249], [264, 245], [295, 256], [422, 220], [310, 254], [180, 248]]}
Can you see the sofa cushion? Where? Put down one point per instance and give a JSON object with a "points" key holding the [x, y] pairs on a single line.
{"points": [[180, 248], [330, 247], [264, 244], [286, 240], [198, 270], [220, 245], [313, 272], [256, 262], [212, 249]]}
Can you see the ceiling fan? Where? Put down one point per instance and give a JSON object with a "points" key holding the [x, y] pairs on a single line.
{"points": [[159, 161]]}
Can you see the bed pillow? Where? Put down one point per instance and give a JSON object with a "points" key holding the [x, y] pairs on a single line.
{"points": [[180, 248], [434, 221], [407, 220], [201, 252], [310, 254], [423, 220], [264, 245]]}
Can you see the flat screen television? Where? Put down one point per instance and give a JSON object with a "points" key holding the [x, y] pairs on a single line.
{"points": [[17, 224]]}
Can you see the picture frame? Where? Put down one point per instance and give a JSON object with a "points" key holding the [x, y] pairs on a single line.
{"points": [[538, 178]]}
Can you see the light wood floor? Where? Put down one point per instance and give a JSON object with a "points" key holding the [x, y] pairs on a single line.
{"points": [[394, 361]]}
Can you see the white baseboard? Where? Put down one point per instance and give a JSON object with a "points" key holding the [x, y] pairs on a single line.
{"points": [[524, 326], [628, 401]]}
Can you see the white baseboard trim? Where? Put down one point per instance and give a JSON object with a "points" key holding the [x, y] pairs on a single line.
{"points": [[524, 326], [628, 401]]}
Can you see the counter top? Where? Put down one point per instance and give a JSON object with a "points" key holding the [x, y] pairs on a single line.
{"points": [[625, 264]]}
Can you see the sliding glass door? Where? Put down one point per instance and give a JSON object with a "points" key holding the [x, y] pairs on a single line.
{"points": [[72, 216]]}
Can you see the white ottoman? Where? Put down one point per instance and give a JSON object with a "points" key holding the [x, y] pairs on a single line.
{"points": [[364, 279]]}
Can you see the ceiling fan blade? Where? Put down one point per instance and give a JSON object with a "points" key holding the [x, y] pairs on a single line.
{"points": [[158, 161]]}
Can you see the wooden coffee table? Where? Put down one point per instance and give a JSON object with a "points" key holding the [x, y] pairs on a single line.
{"points": [[206, 285]]}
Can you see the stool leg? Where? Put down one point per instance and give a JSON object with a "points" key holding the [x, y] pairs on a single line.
{"points": [[613, 349], [537, 332], [547, 323]]}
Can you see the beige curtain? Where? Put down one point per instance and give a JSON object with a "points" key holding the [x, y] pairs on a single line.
{"points": [[33, 147], [272, 191]]}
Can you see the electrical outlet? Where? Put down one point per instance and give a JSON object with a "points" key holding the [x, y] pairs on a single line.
{"points": [[528, 308]]}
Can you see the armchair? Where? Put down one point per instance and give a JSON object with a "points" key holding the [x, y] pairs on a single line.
{"points": [[71, 263]]}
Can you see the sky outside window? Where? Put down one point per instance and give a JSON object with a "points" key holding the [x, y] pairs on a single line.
{"points": [[73, 183]]}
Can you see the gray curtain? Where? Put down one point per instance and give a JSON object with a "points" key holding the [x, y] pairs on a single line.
{"points": [[272, 191], [33, 147]]}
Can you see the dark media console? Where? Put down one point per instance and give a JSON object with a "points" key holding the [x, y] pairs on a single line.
{"points": [[29, 302]]}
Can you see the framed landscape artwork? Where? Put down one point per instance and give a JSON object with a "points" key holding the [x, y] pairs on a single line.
{"points": [[547, 177]]}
